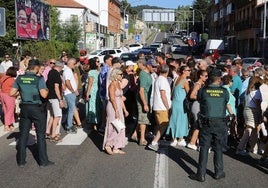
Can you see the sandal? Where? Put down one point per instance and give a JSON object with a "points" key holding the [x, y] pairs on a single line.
{"points": [[119, 151], [79, 126], [6, 128], [109, 150], [143, 143], [55, 139], [48, 136], [11, 127]]}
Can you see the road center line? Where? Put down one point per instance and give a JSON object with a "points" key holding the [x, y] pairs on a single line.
{"points": [[161, 169]]}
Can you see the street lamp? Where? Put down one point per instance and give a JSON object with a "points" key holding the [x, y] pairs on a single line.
{"points": [[202, 16]]}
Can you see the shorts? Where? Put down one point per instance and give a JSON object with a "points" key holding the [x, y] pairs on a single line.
{"points": [[143, 117], [161, 117], [54, 108]]}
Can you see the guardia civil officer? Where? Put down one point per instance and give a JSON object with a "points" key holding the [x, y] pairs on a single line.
{"points": [[31, 88], [213, 101]]}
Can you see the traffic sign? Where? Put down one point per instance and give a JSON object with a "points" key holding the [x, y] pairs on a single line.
{"points": [[2, 22], [137, 38]]}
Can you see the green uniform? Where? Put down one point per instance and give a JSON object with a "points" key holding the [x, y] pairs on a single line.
{"points": [[213, 100], [32, 111]]}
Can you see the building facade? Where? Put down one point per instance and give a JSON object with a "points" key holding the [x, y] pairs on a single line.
{"points": [[239, 23], [114, 23]]}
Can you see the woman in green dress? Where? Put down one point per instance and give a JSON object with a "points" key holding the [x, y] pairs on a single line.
{"points": [[92, 93]]}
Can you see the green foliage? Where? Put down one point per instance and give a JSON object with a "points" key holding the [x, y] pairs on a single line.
{"points": [[6, 42], [45, 50]]}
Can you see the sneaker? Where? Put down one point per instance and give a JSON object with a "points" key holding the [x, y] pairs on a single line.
{"points": [[242, 153], [72, 130], [191, 146], [174, 143], [153, 147], [182, 143]]}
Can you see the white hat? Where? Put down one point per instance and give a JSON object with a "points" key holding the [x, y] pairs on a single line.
{"points": [[128, 63]]}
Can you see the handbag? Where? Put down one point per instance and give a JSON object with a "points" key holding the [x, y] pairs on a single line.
{"points": [[118, 125], [186, 105]]}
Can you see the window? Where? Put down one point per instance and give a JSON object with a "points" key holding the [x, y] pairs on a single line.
{"points": [[221, 13], [216, 16], [229, 9]]}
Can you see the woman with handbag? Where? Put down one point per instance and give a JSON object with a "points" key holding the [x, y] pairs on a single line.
{"points": [[178, 124], [114, 138], [252, 112], [8, 102]]}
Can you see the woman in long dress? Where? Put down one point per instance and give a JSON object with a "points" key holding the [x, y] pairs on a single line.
{"points": [[92, 94], [178, 124], [114, 141]]}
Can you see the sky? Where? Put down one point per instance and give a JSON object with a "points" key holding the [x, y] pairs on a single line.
{"points": [[162, 3]]}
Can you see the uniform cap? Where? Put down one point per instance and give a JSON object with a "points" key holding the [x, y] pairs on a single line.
{"points": [[216, 72], [33, 62]]}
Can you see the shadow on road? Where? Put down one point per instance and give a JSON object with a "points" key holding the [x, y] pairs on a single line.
{"points": [[181, 157], [96, 138], [249, 160]]}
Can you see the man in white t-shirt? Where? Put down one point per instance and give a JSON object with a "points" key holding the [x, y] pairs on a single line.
{"points": [[70, 93], [161, 105], [7, 63]]}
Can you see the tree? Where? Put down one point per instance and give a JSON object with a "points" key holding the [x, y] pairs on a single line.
{"points": [[7, 41], [72, 33]]}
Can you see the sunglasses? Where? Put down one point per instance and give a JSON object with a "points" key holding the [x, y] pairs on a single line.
{"points": [[205, 76], [120, 74], [52, 63]]}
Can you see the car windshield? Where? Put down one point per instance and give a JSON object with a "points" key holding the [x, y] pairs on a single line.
{"points": [[249, 61], [96, 52]]}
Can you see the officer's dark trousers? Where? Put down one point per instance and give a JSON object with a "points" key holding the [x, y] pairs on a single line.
{"points": [[32, 114], [214, 130]]}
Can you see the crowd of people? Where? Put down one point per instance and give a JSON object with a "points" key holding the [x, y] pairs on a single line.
{"points": [[157, 95]]}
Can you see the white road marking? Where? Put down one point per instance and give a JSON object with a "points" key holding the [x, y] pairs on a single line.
{"points": [[74, 139], [161, 169], [2, 132]]}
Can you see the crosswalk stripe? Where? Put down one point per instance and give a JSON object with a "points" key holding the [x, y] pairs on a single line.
{"points": [[69, 139], [3, 132], [74, 139]]}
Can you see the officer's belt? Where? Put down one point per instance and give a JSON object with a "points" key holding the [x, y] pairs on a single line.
{"points": [[33, 104], [215, 119]]}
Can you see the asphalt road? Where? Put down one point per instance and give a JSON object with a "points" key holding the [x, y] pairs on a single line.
{"points": [[86, 165]]}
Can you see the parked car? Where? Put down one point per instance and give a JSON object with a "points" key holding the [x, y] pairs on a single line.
{"points": [[135, 46], [222, 59], [159, 42], [152, 49], [101, 53], [167, 41], [176, 48], [132, 56], [250, 61], [157, 45]]}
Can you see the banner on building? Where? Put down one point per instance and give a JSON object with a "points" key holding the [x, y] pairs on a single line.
{"points": [[32, 20]]}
